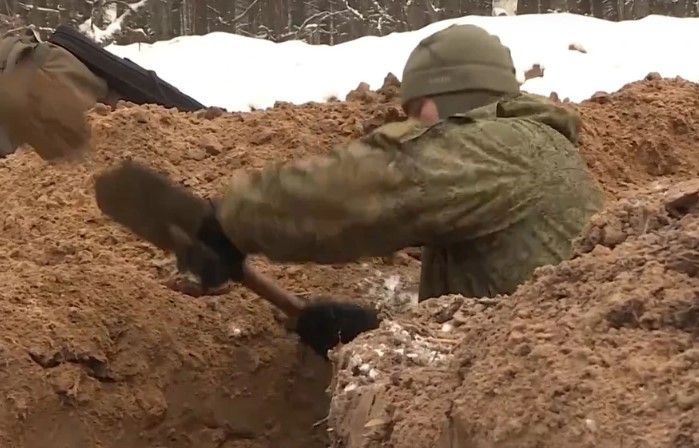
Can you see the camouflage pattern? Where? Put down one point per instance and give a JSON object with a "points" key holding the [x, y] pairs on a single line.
{"points": [[491, 195], [24, 47]]}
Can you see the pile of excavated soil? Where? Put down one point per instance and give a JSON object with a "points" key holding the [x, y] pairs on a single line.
{"points": [[98, 351], [646, 130], [600, 351]]}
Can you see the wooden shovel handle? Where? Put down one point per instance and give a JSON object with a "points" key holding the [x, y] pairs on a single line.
{"points": [[269, 290], [256, 282]]}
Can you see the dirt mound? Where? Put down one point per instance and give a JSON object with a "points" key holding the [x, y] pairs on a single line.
{"points": [[98, 351], [648, 129], [601, 351]]}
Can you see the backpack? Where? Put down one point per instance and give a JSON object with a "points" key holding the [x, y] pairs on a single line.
{"points": [[128, 80]]}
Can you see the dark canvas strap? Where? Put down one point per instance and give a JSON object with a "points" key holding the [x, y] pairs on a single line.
{"points": [[128, 79]]}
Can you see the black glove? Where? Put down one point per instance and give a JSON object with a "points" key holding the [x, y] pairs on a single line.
{"points": [[324, 324], [212, 257]]}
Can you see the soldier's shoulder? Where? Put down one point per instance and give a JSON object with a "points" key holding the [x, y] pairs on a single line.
{"points": [[396, 134], [402, 130]]}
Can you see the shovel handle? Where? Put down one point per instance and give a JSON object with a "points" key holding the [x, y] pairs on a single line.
{"points": [[269, 290]]}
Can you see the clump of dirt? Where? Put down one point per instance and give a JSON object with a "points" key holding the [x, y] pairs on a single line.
{"points": [[600, 351], [97, 350], [389, 93]]}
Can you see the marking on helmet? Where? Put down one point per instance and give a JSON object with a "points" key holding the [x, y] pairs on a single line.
{"points": [[440, 79]]}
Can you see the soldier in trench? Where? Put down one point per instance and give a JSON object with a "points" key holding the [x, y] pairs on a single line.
{"points": [[487, 179]]}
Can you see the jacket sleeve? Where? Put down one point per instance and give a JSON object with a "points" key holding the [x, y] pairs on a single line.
{"points": [[404, 184]]}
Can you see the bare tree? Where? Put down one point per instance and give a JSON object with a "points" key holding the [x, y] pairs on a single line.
{"points": [[314, 21]]}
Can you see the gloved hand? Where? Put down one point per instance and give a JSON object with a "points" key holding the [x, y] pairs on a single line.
{"points": [[212, 257]]}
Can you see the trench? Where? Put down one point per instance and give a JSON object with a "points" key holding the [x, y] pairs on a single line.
{"points": [[247, 402]]}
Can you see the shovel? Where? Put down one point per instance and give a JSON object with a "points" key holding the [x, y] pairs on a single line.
{"points": [[168, 216], [39, 109]]}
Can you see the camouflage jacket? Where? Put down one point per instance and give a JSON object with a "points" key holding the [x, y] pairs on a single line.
{"points": [[491, 195]]}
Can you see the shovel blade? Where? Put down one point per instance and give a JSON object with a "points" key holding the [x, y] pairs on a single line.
{"points": [[150, 205]]}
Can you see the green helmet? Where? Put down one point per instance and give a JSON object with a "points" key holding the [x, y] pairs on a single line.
{"points": [[456, 59]]}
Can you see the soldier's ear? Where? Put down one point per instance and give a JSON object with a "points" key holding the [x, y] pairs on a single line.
{"points": [[413, 107], [429, 112], [422, 109]]}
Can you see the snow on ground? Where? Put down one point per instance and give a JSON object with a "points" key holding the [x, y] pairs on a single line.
{"points": [[236, 72]]}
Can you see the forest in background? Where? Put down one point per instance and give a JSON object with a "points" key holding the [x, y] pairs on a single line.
{"points": [[314, 21]]}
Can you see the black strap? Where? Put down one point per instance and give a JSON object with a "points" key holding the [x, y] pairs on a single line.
{"points": [[126, 78]]}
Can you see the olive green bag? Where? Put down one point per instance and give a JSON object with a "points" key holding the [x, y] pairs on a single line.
{"points": [[28, 48]]}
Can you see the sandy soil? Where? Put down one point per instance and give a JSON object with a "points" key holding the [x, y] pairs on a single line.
{"points": [[98, 351]]}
